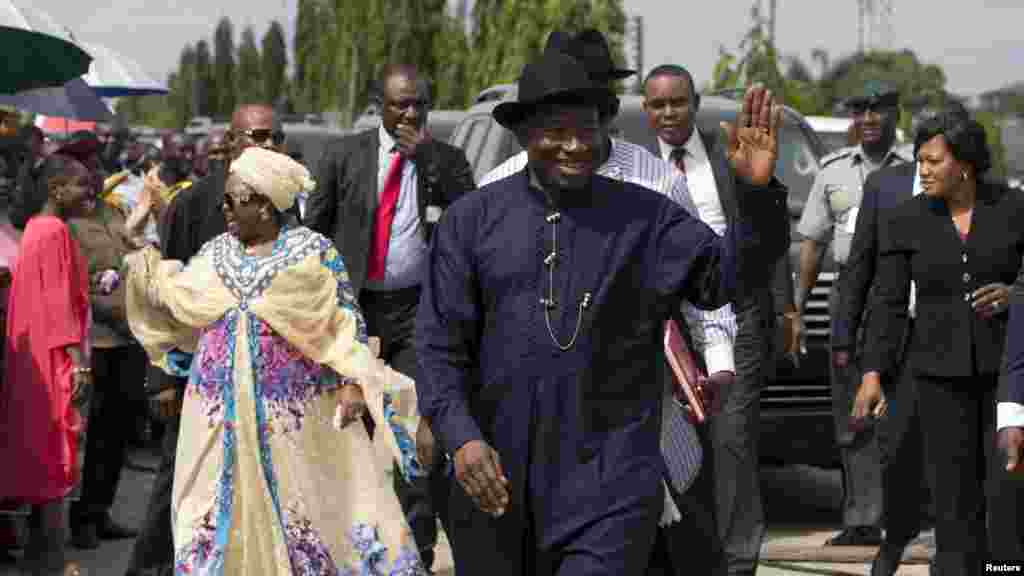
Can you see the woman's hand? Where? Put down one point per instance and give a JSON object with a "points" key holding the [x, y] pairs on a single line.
{"points": [[870, 401], [990, 299], [351, 405]]}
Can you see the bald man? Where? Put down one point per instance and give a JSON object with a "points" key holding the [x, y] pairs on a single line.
{"points": [[192, 218]]}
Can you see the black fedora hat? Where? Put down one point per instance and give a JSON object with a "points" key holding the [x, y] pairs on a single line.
{"points": [[558, 41], [555, 78], [591, 48]]}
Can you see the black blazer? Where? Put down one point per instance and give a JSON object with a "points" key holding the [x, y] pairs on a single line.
{"points": [[918, 241], [884, 190], [344, 204]]}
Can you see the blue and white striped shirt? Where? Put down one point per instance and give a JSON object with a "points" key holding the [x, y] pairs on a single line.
{"points": [[713, 331]]}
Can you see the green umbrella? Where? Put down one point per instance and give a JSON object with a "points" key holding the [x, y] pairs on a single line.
{"points": [[35, 60]]}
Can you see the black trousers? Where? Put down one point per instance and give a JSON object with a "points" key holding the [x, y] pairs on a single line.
{"points": [[860, 454], [976, 503], [733, 440], [905, 492], [154, 547], [117, 396], [391, 316], [692, 545]]}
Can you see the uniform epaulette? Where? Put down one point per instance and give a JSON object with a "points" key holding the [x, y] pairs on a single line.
{"points": [[838, 154]]}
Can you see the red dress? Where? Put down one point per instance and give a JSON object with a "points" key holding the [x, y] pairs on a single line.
{"points": [[48, 309]]}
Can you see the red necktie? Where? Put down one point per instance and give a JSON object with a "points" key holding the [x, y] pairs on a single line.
{"points": [[385, 215]]}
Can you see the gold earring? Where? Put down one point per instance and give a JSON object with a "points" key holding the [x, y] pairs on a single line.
{"points": [[963, 175]]}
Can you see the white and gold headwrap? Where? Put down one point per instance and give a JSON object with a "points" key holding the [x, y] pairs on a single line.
{"points": [[273, 175]]}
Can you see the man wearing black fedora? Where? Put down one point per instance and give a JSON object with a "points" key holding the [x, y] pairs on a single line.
{"points": [[688, 482], [543, 300]]}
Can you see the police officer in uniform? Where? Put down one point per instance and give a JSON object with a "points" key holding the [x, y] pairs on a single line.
{"points": [[829, 218]]}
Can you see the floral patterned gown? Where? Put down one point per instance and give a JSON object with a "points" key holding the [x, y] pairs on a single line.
{"points": [[264, 483]]}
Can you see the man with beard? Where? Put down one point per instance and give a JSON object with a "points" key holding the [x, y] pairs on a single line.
{"points": [[193, 217], [539, 332], [830, 218]]}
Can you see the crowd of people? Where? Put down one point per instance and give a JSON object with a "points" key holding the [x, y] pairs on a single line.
{"points": [[337, 358]]}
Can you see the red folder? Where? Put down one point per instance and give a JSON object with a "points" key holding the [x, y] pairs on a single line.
{"points": [[691, 382]]}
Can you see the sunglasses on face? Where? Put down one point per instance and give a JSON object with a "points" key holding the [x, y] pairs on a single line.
{"points": [[261, 135], [865, 107]]}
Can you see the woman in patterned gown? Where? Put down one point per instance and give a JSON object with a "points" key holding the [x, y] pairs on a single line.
{"points": [[275, 472]]}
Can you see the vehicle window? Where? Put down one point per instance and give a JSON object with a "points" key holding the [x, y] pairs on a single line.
{"points": [[477, 131], [797, 164], [833, 140], [509, 147]]}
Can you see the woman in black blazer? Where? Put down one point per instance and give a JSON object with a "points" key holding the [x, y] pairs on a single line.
{"points": [[960, 243]]}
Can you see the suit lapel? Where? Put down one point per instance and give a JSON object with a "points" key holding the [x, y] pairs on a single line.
{"points": [[371, 168], [424, 187], [723, 175]]}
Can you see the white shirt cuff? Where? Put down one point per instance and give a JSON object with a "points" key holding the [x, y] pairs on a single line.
{"points": [[1009, 414], [719, 358]]}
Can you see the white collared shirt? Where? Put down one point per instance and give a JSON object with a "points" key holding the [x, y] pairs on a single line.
{"points": [[700, 179], [407, 251], [714, 331]]}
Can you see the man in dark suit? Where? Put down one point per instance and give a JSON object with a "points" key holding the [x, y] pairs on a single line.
{"points": [[379, 195], [671, 103], [903, 477], [192, 218]]}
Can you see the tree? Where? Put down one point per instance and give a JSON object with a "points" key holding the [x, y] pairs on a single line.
{"points": [[994, 136], [203, 91], [305, 47], [510, 33], [180, 85], [224, 68], [758, 61], [249, 81], [274, 62]]}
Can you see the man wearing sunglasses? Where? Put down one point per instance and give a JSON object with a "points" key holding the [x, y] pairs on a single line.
{"points": [[829, 219], [192, 218]]}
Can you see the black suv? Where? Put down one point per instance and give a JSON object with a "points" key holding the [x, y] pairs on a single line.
{"points": [[796, 410]]}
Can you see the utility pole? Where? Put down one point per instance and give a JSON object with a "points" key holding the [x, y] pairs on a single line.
{"points": [[633, 48], [860, 26], [771, 22]]}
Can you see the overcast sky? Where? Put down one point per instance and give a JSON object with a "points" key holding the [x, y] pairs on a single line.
{"points": [[977, 42]]}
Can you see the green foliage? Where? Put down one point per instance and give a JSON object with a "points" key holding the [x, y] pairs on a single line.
{"points": [[274, 63], [223, 80], [203, 96], [994, 135], [249, 86], [341, 46]]}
